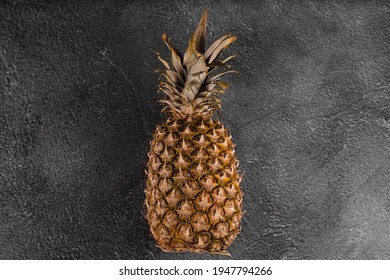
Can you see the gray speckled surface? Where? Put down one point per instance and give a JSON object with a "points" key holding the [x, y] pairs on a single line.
{"points": [[309, 111]]}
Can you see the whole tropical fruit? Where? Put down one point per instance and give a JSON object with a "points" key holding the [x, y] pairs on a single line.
{"points": [[193, 197]]}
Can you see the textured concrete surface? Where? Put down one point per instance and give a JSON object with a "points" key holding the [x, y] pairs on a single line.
{"points": [[309, 111]]}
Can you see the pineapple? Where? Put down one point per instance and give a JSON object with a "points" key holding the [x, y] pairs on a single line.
{"points": [[193, 197]]}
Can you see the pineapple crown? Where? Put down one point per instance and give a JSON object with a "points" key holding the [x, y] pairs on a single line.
{"points": [[190, 84]]}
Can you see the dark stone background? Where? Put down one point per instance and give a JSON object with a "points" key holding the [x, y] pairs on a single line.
{"points": [[309, 111]]}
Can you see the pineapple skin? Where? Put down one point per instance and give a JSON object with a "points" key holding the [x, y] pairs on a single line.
{"points": [[193, 197]]}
